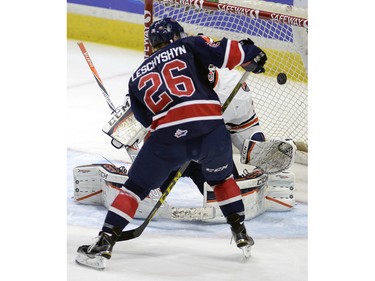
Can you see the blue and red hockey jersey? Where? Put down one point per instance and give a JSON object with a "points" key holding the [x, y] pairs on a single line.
{"points": [[171, 92]]}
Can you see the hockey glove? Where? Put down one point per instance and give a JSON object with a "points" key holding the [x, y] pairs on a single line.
{"points": [[256, 65], [247, 41]]}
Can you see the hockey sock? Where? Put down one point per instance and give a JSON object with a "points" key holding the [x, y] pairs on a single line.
{"points": [[121, 212], [228, 196]]}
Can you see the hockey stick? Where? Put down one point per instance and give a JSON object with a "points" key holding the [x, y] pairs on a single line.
{"points": [[96, 75], [235, 91], [133, 233]]}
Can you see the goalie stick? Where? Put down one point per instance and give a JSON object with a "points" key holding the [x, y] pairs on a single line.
{"points": [[134, 233], [96, 75]]}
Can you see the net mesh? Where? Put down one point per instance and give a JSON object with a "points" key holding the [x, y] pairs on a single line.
{"points": [[282, 108]]}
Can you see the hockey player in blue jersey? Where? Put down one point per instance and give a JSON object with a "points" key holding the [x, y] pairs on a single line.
{"points": [[171, 96]]}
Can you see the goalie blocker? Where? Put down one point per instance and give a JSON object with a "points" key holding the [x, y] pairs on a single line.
{"points": [[99, 184], [125, 130]]}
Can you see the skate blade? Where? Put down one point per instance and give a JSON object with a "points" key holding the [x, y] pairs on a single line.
{"points": [[246, 251], [97, 262]]}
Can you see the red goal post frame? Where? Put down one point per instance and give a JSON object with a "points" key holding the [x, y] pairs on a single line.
{"points": [[228, 8], [148, 19]]}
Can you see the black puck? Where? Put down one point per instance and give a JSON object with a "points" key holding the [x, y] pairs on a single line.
{"points": [[281, 78]]}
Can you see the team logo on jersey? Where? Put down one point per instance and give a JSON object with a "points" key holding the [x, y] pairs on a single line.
{"points": [[211, 77], [209, 41], [211, 73], [180, 133], [214, 44]]}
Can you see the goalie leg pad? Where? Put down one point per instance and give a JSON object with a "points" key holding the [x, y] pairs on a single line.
{"points": [[271, 156], [280, 192], [99, 184]]}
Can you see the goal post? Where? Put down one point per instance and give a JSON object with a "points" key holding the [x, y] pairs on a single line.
{"points": [[280, 30]]}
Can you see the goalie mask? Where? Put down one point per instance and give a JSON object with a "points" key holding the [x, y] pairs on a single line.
{"points": [[163, 31]]}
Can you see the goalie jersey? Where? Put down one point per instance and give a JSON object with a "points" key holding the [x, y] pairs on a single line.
{"points": [[172, 91]]}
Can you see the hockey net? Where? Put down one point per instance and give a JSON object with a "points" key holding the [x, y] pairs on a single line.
{"points": [[280, 30]]}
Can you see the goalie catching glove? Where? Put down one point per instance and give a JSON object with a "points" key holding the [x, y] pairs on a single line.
{"points": [[257, 64], [271, 156]]}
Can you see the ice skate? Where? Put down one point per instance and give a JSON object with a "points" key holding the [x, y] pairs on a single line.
{"points": [[96, 254], [242, 239]]}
